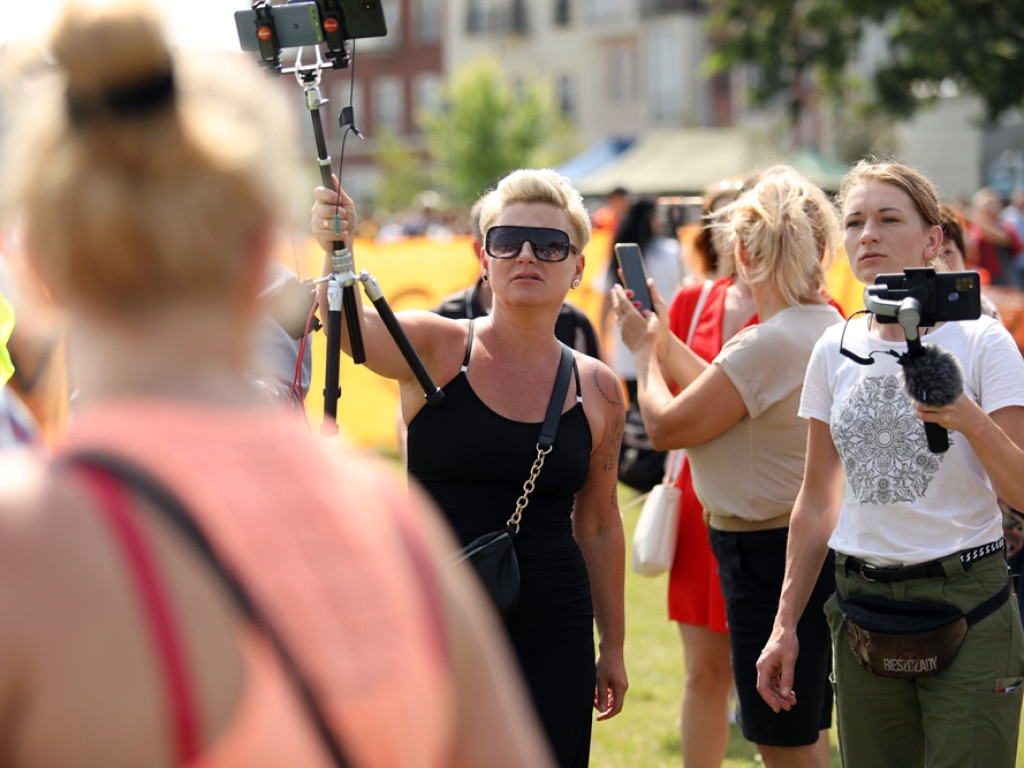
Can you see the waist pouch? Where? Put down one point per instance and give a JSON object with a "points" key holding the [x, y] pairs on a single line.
{"points": [[891, 638]]}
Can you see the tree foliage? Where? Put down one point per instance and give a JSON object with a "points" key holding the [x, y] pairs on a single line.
{"points": [[403, 173], [487, 128], [973, 46]]}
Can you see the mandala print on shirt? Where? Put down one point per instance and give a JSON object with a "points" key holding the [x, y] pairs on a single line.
{"points": [[883, 446]]}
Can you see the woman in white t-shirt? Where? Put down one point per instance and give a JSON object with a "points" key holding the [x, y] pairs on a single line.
{"points": [[909, 524]]}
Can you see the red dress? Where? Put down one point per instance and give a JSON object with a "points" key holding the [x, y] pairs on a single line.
{"points": [[694, 592]]}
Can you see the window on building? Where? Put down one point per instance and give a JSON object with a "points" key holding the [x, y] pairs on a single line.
{"points": [[497, 16], [428, 21], [664, 63], [608, 10], [387, 105], [565, 92], [426, 95], [621, 77], [650, 8], [563, 12]]}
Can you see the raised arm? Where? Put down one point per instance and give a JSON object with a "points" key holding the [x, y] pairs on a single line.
{"points": [[332, 219], [709, 403]]}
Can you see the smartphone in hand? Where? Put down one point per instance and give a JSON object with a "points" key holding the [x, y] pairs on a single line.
{"points": [[634, 276]]}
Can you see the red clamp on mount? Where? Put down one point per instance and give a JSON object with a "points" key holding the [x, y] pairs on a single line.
{"points": [[266, 34]]}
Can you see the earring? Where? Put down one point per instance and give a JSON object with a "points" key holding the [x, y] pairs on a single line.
{"points": [[576, 283], [485, 277]]}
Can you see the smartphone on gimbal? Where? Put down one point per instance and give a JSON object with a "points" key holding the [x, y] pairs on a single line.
{"points": [[304, 23], [296, 24]]}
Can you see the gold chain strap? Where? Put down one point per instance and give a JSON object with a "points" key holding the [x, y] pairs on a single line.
{"points": [[523, 500]]}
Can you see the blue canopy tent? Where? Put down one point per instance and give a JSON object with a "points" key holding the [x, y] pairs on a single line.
{"points": [[594, 157]]}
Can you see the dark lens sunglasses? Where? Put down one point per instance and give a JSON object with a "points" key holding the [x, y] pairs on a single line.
{"points": [[505, 242]]}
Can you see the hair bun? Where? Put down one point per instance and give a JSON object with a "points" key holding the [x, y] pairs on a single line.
{"points": [[114, 57]]}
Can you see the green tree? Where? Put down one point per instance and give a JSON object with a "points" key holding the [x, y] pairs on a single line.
{"points": [[486, 128], [971, 46], [403, 172]]}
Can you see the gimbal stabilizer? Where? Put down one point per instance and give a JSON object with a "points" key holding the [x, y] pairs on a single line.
{"points": [[922, 298]]}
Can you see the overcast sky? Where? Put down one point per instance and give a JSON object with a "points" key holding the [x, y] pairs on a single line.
{"points": [[194, 23]]}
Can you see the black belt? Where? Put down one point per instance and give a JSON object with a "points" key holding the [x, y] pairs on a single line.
{"points": [[931, 569]]}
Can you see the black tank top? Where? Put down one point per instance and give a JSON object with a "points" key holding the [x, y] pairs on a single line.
{"points": [[473, 463]]}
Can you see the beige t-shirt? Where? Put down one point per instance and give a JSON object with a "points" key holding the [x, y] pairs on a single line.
{"points": [[748, 477]]}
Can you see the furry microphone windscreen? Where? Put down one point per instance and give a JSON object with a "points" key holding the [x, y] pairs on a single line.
{"points": [[932, 376]]}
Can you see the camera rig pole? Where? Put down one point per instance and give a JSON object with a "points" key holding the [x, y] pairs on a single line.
{"points": [[341, 285]]}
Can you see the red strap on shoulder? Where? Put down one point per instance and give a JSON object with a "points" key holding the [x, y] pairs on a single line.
{"points": [[156, 604]]}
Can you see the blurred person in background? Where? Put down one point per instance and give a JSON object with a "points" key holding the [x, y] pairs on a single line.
{"points": [[641, 467], [996, 242], [1013, 217], [195, 578], [610, 213]]}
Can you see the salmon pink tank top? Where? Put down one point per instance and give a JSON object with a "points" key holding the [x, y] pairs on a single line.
{"points": [[326, 543]]}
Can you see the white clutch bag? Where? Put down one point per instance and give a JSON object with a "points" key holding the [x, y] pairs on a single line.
{"points": [[654, 538]]}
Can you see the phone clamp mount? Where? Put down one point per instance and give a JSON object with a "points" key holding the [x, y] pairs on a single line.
{"points": [[922, 298], [342, 298]]}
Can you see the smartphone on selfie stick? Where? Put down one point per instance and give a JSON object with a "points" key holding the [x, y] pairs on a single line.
{"points": [[634, 275]]}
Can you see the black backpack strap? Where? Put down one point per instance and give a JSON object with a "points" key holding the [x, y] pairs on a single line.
{"points": [[566, 365], [163, 500]]}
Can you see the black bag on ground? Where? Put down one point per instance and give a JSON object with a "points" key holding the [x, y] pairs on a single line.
{"points": [[640, 466]]}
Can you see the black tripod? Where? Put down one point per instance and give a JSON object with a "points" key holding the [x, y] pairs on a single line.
{"points": [[341, 284]]}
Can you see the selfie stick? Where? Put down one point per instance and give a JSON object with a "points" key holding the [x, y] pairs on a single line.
{"points": [[341, 286]]}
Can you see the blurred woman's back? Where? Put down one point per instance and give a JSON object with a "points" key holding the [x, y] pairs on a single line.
{"points": [[303, 603]]}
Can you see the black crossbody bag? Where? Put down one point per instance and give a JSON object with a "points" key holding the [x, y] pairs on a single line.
{"points": [[493, 555]]}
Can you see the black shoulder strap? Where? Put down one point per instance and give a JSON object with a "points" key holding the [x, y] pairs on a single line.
{"points": [[148, 487], [565, 366]]}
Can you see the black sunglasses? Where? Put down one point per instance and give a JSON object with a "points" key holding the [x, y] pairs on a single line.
{"points": [[547, 244]]}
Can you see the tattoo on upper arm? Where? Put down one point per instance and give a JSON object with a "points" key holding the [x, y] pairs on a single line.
{"points": [[615, 398]]}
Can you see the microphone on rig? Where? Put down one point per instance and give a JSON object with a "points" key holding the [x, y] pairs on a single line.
{"points": [[932, 376]]}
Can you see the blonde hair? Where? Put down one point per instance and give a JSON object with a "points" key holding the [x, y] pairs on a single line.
{"points": [[920, 190], [539, 186], [142, 177], [789, 229]]}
